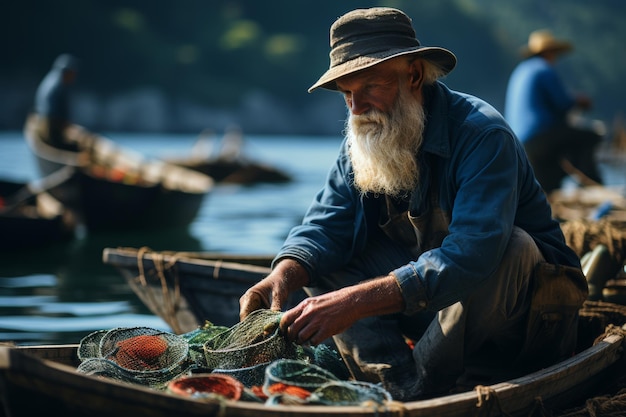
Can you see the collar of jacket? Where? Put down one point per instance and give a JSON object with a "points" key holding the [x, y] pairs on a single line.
{"points": [[436, 135]]}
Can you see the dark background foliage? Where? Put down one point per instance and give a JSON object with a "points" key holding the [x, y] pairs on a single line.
{"points": [[157, 65]]}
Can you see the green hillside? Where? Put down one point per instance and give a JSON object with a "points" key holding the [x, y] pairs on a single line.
{"points": [[218, 53]]}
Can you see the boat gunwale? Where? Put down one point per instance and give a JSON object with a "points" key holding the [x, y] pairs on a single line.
{"points": [[185, 261], [592, 360]]}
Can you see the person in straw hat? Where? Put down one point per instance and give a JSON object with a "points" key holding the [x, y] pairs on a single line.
{"points": [[420, 252], [537, 106]]}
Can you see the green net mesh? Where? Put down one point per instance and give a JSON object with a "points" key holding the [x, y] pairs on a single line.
{"points": [[296, 373], [139, 355], [253, 341], [89, 346], [253, 352], [196, 340], [290, 381], [250, 376], [327, 358], [349, 393]]}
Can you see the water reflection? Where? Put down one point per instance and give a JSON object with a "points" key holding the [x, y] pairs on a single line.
{"points": [[60, 293]]}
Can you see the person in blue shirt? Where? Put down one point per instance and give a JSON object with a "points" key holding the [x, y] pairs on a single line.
{"points": [[431, 237], [537, 106], [52, 101]]}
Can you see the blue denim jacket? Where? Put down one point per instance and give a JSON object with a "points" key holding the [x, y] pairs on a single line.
{"points": [[486, 186], [536, 99]]}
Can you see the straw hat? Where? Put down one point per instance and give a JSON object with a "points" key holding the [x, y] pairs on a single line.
{"points": [[541, 41], [363, 38]]}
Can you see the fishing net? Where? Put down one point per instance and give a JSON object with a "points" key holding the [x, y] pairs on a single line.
{"points": [[244, 350], [250, 376], [196, 340], [89, 346], [289, 381], [139, 355], [326, 357], [595, 317], [206, 387], [202, 364], [349, 393], [295, 373], [253, 341]]}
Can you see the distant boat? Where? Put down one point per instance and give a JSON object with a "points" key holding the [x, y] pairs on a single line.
{"points": [[116, 188], [30, 217], [229, 164]]}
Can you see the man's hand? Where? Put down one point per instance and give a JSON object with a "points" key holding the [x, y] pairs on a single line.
{"points": [[272, 292], [316, 319]]}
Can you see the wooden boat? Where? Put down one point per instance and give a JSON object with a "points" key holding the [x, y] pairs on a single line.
{"points": [[115, 188], [30, 217], [234, 171], [48, 373], [229, 165], [42, 380], [187, 288]]}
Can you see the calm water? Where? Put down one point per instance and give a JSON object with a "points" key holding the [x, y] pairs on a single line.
{"points": [[62, 293]]}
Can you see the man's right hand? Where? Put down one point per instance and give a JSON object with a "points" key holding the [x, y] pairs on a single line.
{"points": [[273, 291]]}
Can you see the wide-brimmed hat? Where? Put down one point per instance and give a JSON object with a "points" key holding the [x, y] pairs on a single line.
{"points": [[365, 37], [543, 40]]}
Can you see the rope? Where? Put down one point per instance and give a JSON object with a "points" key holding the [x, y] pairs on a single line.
{"points": [[394, 408], [142, 276], [611, 330], [583, 235], [612, 404], [487, 398], [171, 303], [603, 406], [216, 270]]}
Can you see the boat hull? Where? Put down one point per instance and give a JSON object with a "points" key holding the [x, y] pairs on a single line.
{"points": [[38, 222], [42, 380], [115, 188], [188, 288]]}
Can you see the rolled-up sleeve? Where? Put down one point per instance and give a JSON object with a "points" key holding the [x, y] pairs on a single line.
{"points": [[412, 288]]}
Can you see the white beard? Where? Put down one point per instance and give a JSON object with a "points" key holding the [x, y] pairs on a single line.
{"points": [[383, 147]]}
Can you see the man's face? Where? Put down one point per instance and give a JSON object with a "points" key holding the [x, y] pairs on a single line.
{"points": [[384, 131], [372, 88]]}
